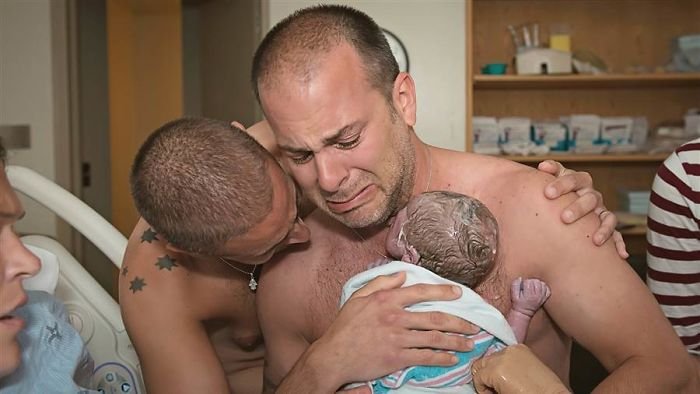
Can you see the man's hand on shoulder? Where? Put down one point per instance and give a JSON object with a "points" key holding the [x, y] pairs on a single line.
{"points": [[589, 200]]}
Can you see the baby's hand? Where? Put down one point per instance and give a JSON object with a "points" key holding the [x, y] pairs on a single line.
{"points": [[528, 295]]}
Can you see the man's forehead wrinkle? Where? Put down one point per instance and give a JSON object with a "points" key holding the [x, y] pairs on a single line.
{"points": [[294, 142], [308, 136]]}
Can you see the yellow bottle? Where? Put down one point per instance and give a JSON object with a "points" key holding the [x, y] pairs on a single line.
{"points": [[560, 41]]}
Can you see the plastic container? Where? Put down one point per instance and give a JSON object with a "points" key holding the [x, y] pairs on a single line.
{"points": [[494, 69]]}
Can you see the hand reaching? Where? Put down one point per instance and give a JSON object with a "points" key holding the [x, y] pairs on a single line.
{"points": [[589, 200], [515, 370]]}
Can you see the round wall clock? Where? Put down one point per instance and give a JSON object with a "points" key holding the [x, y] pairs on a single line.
{"points": [[397, 49]]}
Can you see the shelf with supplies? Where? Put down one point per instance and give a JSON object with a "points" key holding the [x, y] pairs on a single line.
{"points": [[633, 231], [574, 81], [631, 37], [581, 158], [631, 224]]}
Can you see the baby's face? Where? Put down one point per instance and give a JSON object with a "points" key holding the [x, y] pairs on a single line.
{"points": [[395, 242]]}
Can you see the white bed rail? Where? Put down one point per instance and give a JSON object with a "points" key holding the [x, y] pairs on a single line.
{"points": [[71, 209]]}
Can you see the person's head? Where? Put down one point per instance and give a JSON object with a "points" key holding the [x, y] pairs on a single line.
{"points": [[342, 112], [450, 234], [210, 189], [16, 264]]}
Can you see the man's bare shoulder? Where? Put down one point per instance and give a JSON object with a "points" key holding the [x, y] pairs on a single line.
{"points": [[531, 226], [470, 173], [168, 297], [156, 278], [148, 267], [529, 222], [499, 183]]}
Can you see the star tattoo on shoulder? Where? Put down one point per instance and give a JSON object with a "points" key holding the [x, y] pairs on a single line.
{"points": [[149, 236], [166, 262], [125, 271], [137, 285]]}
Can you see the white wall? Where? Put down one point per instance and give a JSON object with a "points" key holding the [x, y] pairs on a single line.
{"points": [[434, 35], [26, 94]]}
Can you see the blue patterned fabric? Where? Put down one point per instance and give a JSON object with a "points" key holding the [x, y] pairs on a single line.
{"points": [[54, 357]]}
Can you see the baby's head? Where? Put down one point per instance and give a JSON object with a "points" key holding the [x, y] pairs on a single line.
{"points": [[450, 234]]}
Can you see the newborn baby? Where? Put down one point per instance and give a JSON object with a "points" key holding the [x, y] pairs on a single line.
{"points": [[443, 238]]}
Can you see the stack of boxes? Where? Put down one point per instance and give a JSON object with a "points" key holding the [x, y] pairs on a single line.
{"points": [[553, 135], [487, 136], [587, 134], [634, 201]]}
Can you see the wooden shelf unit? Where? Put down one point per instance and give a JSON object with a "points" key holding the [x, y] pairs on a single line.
{"points": [[605, 81], [580, 158], [627, 35]]}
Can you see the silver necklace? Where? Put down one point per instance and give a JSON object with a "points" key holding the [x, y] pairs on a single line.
{"points": [[252, 284]]}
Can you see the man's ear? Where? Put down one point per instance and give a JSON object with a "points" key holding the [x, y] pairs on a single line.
{"points": [[404, 97], [173, 248]]}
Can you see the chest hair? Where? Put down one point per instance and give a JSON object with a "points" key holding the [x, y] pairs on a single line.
{"points": [[337, 263]]}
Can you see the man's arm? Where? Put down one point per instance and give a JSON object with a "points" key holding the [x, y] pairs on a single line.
{"points": [[597, 298], [174, 350]]}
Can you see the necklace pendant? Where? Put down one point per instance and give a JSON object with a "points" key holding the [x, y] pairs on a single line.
{"points": [[253, 284]]}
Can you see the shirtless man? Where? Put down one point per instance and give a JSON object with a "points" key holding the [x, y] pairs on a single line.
{"points": [[343, 116], [212, 193], [191, 315]]}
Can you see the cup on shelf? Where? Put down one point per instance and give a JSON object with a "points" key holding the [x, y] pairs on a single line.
{"points": [[494, 69]]}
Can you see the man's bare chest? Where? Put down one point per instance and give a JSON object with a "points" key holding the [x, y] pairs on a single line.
{"points": [[341, 260]]}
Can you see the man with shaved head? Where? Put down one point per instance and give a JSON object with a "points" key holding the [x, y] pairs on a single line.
{"points": [[343, 116]]}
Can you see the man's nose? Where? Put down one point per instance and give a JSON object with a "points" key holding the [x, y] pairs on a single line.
{"points": [[22, 262], [331, 173]]}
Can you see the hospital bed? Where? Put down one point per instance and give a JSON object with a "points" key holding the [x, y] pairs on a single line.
{"points": [[91, 310]]}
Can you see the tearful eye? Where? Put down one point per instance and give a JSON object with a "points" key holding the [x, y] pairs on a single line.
{"points": [[302, 158], [348, 144]]}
